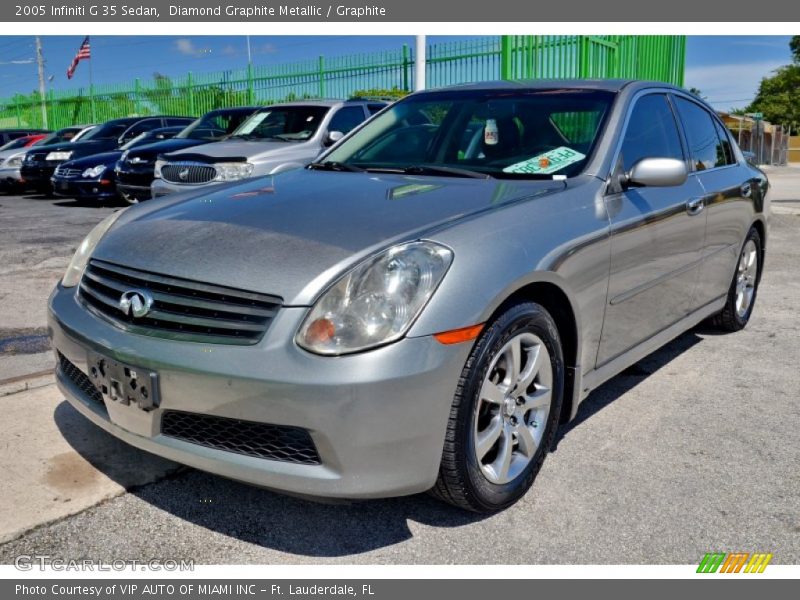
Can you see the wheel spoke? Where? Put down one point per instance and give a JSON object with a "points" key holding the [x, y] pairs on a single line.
{"points": [[533, 365], [526, 442], [488, 437], [538, 399], [513, 360], [492, 393], [505, 453]]}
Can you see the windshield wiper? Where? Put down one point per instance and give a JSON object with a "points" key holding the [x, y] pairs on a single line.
{"points": [[431, 170], [335, 166]]}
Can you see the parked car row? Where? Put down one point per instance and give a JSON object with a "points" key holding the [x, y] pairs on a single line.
{"points": [[138, 158]]}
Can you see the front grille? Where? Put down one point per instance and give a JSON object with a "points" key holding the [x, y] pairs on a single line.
{"points": [[261, 440], [189, 173], [67, 173], [79, 378], [181, 309]]}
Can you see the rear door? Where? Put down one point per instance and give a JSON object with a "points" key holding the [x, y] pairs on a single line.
{"points": [[728, 196], [657, 235]]}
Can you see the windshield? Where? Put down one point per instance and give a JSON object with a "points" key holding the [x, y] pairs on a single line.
{"points": [[107, 131], [213, 126], [529, 134], [285, 123]]}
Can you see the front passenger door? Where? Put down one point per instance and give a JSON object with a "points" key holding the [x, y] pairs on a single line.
{"points": [[657, 235]]}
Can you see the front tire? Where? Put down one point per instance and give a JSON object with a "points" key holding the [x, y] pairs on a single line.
{"points": [[744, 287], [505, 412]]}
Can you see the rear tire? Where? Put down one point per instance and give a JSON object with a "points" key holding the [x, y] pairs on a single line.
{"points": [[505, 412], [744, 287]]}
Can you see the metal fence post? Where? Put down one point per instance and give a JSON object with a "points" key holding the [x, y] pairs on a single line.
{"points": [[506, 57], [137, 91], [321, 73], [190, 92], [405, 68], [251, 94]]}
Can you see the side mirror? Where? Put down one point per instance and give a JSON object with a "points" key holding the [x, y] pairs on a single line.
{"points": [[333, 137], [657, 172]]}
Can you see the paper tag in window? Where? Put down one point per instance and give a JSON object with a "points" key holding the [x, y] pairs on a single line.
{"points": [[549, 162], [491, 135]]}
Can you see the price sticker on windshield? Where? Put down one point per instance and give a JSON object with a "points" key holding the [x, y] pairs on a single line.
{"points": [[549, 162]]}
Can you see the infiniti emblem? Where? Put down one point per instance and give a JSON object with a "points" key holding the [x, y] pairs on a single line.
{"points": [[183, 174], [136, 303]]}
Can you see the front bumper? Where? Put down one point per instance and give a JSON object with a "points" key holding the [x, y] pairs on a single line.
{"points": [[377, 419], [164, 188], [85, 189], [38, 175], [10, 179]]}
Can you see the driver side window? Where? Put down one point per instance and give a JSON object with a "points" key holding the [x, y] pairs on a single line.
{"points": [[651, 133]]}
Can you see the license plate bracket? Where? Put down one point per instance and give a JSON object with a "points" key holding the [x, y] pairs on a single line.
{"points": [[124, 384]]}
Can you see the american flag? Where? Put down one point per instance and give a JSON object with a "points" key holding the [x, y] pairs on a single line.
{"points": [[83, 52]]}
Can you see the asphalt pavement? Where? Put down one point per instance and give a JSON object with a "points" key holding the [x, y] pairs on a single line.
{"points": [[694, 449]]}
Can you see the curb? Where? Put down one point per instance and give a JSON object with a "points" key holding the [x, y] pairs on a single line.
{"points": [[14, 385]]}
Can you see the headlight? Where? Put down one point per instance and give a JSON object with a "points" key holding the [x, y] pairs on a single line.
{"points": [[233, 171], [13, 162], [78, 263], [94, 171], [377, 301], [59, 155], [158, 167]]}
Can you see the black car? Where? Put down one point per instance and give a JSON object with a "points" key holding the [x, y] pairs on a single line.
{"points": [[6, 135], [40, 163], [65, 134], [134, 171], [92, 178]]}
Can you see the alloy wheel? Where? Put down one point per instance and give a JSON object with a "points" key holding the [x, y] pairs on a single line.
{"points": [[513, 408]]}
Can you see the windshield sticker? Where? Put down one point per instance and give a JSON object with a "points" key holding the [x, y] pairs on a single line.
{"points": [[549, 162]]}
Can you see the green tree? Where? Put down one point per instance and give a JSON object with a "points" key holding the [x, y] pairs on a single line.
{"points": [[779, 97], [794, 46]]}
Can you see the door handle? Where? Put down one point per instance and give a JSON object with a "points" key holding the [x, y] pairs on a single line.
{"points": [[695, 206], [746, 190]]}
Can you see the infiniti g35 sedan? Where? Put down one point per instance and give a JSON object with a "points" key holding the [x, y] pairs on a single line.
{"points": [[422, 306]]}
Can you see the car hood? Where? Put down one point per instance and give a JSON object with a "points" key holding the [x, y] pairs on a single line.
{"points": [[78, 149], [237, 149], [156, 149], [104, 158], [291, 234], [13, 152]]}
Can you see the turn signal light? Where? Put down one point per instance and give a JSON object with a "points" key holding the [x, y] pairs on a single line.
{"points": [[456, 336]]}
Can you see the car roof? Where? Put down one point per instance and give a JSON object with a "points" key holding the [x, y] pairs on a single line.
{"points": [[610, 85], [321, 102]]}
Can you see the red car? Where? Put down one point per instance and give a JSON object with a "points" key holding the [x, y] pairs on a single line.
{"points": [[24, 141]]}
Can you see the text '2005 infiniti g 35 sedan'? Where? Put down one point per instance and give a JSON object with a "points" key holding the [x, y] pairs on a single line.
{"points": [[421, 307]]}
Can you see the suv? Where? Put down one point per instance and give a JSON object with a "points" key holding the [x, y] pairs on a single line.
{"points": [[274, 139], [40, 164], [134, 171]]}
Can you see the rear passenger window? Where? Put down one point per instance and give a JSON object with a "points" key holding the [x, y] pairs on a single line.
{"points": [[705, 148], [724, 150], [651, 133], [375, 108], [346, 119]]}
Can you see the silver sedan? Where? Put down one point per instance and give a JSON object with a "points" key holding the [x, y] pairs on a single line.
{"points": [[421, 307]]}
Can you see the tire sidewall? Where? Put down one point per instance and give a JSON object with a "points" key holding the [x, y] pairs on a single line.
{"points": [[527, 317]]}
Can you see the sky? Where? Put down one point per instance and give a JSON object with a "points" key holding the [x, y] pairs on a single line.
{"points": [[726, 69]]}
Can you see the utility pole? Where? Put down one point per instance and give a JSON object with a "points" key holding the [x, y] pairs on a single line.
{"points": [[420, 61], [42, 92]]}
